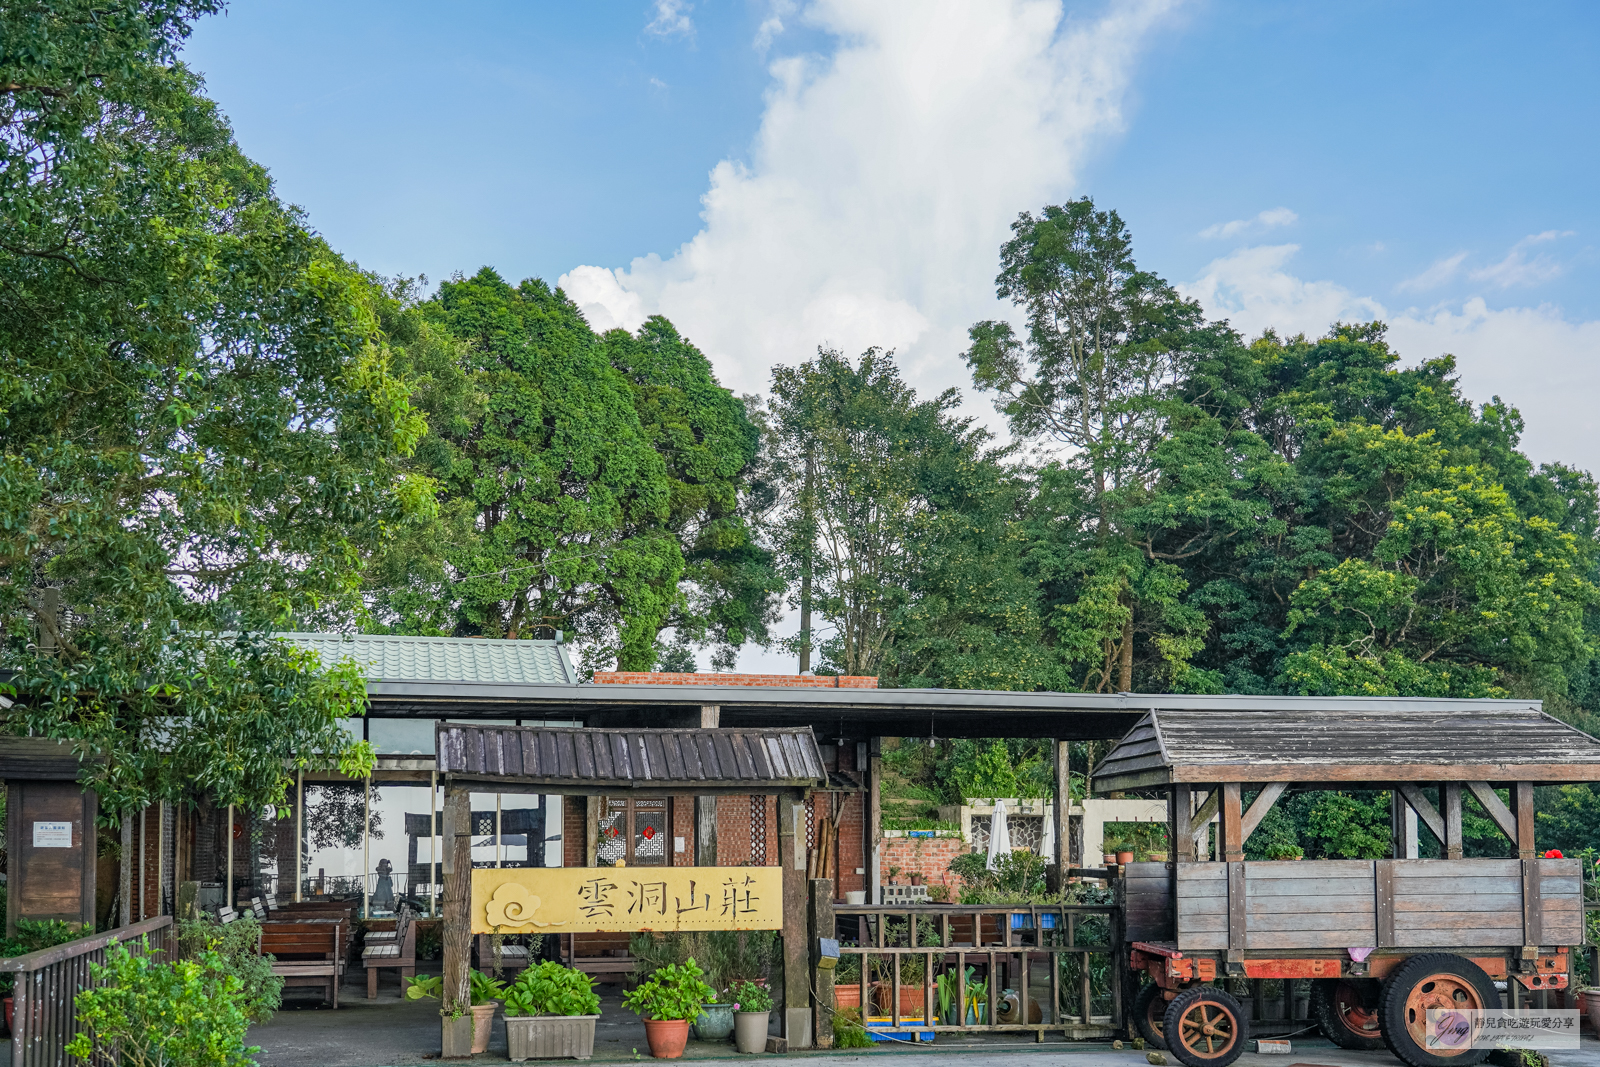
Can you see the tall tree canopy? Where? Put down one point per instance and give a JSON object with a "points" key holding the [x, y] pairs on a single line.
{"points": [[590, 485], [200, 426]]}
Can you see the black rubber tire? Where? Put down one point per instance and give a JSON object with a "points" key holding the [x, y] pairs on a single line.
{"points": [[1204, 998], [1333, 1017], [1394, 1015], [1150, 1015]]}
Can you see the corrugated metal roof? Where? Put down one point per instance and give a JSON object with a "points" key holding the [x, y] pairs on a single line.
{"points": [[444, 659], [1468, 741], [664, 759]]}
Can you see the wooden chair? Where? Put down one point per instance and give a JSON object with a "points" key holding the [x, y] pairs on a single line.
{"points": [[226, 915], [385, 937], [399, 954], [309, 952], [259, 908], [512, 957]]}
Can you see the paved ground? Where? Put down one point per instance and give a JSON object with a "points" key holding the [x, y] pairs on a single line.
{"points": [[391, 1032]]}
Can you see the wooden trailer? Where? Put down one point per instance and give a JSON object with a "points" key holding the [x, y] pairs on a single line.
{"points": [[1382, 940]]}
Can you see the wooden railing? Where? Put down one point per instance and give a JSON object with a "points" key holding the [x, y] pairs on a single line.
{"points": [[44, 1015], [1002, 942]]}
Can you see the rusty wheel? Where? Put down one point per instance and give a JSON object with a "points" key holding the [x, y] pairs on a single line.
{"points": [[1205, 1027], [1150, 1015], [1437, 981], [1346, 1010]]}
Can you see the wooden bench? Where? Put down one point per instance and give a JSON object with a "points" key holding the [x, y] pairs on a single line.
{"points": [[512, 957], [399, 953], [309, 952]]}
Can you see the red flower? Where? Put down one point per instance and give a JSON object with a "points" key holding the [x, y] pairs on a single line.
{"points": [[1554, 854]]}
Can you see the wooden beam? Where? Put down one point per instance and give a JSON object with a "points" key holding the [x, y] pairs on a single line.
{"points": [[1061, 809], [1259, 807], [1452, 821], [591, 829], [796, 984], [1522, 793], [822, 925], [705, 831], [875, 822], [1232, 824], [1492, 806], [457, 990], [1368, 775], [1201, 821], [1180, 799], [1420, 804]]}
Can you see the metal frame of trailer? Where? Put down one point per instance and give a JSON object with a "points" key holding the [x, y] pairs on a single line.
{"points": [[1382, 940]]}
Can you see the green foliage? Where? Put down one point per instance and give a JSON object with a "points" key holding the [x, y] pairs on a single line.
{"points": [[238, 946], [548, 988], [1349, 826], [32, 935], [1018, 878], [675, 991], [199, 428], [188, 1013], [482, 988], [725, 955], [748, 996], [848, 1029]]}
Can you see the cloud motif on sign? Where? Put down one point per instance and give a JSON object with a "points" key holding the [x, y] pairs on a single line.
{"points": [[513, 905]]}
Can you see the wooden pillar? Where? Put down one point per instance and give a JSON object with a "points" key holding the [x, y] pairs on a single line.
{"points": [[1232, 824], [457, 896], [1180, 805], [822, 925], [875, 822], [1061, 811], [591, 828], [1403, 827], [1452, 820], [1522, 796], [705, 808], [125, 889], [796, 984]]}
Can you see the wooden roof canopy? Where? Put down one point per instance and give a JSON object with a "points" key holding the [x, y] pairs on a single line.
{"points": [[1469, 741], [582, 761]]}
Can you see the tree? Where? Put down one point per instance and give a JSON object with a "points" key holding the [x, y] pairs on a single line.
{"points": [[1105, 346], [588, 485], [200, 423]]}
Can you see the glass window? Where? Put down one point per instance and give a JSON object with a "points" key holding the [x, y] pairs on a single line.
{"points": [[333, 843], [402, 848], [635, 831], [401, 737]]}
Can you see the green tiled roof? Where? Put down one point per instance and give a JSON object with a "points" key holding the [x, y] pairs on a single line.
{"points": [[444, 659]]}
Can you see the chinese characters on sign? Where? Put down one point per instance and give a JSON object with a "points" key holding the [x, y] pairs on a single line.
{"points": [[595, 899]]}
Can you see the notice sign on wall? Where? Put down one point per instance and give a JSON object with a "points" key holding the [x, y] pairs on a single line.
{"points": [[565, 900], [52, 835]]}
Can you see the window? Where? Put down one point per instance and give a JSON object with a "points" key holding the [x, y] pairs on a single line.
{"points": [[635, 831]]}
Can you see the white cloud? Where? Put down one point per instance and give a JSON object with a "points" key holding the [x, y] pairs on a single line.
{"points": [[882, 182], [1532, 357], [1436, 275], [1518, 269], [1278, 216], [772, 25], [672, 19]]}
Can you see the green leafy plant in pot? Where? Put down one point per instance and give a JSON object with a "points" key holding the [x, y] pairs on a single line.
{"points": [[550, 1013], [752, 1011], [484, 992], [668, 1000]]}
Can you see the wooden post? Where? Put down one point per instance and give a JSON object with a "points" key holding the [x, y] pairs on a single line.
{"points": [[125, 889], [822, 925], [591, 829], [1403, 826], [875, 822], [1522, 795], [1452, 820], [1061, 811], [300, 826], [705, 808], [796, 984], [457, 896], [1181, 805], [1232, 824], [230, 900]]}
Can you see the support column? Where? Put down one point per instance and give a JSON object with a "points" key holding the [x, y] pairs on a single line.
{"points": [[457, 896], [125, 889], [1522, 797], [796, 984], [591, 828], [1232, 824], [705, 808], [1181, 805], [1403, 822], [1452, 820], [875, 822], [1060, 812], [822, 925]]}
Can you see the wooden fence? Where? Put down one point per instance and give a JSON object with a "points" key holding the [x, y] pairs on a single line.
{"points": [[1006, 946], [44, 1015]]}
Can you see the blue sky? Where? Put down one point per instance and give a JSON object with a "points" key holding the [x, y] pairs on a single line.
{"points": [[777, 174]]}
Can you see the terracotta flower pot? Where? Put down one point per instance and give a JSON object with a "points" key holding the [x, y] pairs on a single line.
{"points": [[482, 1026], [1124, 857], [910, 1000], [666, 1037], [847, 995], [1109, 859], [1589, 1003], [1158, 857]]}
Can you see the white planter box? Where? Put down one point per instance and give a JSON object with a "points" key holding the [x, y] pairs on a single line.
{"points": [[550, 1037]]}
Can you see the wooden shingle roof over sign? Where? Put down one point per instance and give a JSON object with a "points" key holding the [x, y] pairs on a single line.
{"points": [[588, 761], [1451, 742]]}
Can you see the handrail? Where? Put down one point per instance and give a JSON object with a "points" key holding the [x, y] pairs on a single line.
{"points": [[32, 961]]}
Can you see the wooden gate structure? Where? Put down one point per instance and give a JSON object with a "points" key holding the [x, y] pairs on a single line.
{"points": [[1380, 937], [576, 761]]}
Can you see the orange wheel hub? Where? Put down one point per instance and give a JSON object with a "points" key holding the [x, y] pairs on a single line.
{"points": [[1439, 992], [1207, 1029]]}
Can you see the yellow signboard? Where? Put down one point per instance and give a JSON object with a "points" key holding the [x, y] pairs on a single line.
{"points": [[566, 900]]}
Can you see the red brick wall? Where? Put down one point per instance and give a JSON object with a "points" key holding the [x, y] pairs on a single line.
{"points": [[927, 856], [683, 826], [574, 816], [796, 681]]}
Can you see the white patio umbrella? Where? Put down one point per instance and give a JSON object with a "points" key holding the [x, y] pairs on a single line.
{"points": [[999, 835], [1047, 840]]}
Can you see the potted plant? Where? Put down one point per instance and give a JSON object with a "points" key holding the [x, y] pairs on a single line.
{"points": [[550, 1014], [847, 981], [668, 999], [485, 992], [752, 1010], [716, 1020], [916, 878], [1158, 856]]}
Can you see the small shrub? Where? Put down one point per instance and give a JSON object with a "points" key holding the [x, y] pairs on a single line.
{"points": [[238, 944], [33, 935], [188, 1013], [725, 955], [848, 1030], [676, 991], [747, 996], [551, 989]]}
